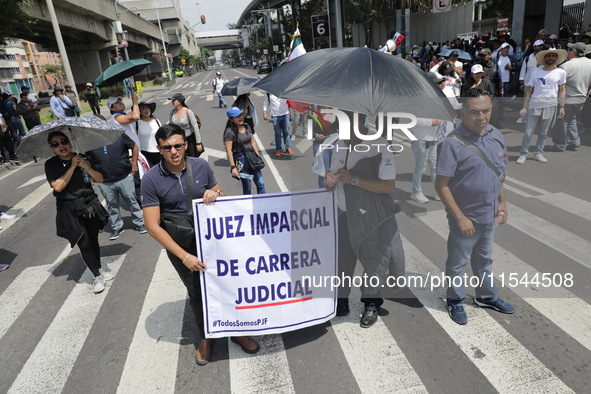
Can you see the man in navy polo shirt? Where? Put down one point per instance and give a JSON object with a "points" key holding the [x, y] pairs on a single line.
{"points": [[474, 199], [164, 189]]}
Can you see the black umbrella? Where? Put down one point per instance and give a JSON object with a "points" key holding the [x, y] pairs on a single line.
{"points": [[119, 71], [239, 86], [361, 80]]}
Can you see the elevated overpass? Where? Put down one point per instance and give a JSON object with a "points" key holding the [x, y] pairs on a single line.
{"points": [[222, 39], [89, 35]]}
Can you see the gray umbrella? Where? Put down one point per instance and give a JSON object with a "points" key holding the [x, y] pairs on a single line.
{"points": [[85, 133], [239, 86], [361, 80]]}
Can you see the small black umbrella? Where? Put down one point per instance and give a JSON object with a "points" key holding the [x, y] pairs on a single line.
{"points": [[119, 71], [361, 80], [239, 86]]}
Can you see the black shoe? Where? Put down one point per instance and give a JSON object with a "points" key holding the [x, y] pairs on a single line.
{"points": [[554, 148], [369, 317], [572, 148]]}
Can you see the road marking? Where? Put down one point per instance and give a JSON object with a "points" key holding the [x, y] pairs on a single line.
{"points": [[570, 313], [526, 185], [304, 145], [241, 73], [13, 169], [26, 204], [152, 359], [50, 364], [265, 372], [517, 191], [258, 93], [376, 361], [22, 290], [214, 153], [166, 102], [272, 167], [557, 238], [187, 98], [33, 181], [209, 97], [574, 205], [508, 365]]}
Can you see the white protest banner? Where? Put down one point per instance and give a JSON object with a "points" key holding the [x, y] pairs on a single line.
{"points": [[257, 249]]}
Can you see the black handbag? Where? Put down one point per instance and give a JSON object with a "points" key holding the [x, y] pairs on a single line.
{"points": [[253, 161], [181, 228]]}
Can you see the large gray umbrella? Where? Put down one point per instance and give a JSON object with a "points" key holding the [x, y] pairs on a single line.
{"points": [[85, 133], [361, 80], [239, 86]]}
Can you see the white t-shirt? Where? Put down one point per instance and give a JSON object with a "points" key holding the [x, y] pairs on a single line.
{"points": [[545, 85], [146, 132], [505, 74], [219, 84], [128, 129], [387, 169]]}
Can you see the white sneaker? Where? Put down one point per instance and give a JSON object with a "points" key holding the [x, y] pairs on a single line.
{"points": [[436, 197], [419, 197], [106, 275], [521, 159], [6, 216], [540, 157], [293, 137], [99, 284]]}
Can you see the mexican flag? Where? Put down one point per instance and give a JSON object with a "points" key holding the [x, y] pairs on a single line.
{"points": [[296, 46]]}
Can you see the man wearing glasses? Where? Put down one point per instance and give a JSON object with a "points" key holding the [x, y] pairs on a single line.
{"points": [[164, 190]]}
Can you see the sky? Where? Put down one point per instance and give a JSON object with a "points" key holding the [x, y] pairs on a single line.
{"points": [[218, 13]]}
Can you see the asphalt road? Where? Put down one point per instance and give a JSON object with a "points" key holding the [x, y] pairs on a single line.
{"points": [[138, 336]]}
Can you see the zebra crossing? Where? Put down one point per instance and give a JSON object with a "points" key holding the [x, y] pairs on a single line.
{"points": [[544, 347]]}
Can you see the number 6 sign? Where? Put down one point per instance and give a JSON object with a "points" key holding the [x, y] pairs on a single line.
{"points": [[320, 26]]}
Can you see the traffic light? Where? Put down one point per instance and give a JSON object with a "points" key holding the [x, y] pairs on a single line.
{"points": [[169, 58], [202, 19]]}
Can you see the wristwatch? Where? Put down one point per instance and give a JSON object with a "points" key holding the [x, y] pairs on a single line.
{"points": [[355, 181], [219, 191], [232, 167]]}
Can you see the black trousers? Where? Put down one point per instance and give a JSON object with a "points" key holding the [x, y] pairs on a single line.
{"points": [[192, 282], [192, 146], [6, 143], [89, 245], [94, 106], [32, 122]]}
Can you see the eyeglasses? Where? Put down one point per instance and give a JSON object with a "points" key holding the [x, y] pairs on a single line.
{"points": [[177, 147], [63, 141]]}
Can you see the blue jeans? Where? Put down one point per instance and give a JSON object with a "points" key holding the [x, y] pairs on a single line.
{"points": [[478, 249], [221, 101], [16, 127], [565, 130], [535, 123], [258, 179], [423, 155], [281, 126], [124, 188], [506, 88]]}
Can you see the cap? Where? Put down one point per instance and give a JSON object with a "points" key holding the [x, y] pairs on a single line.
{"points": [[67, 87], [538, 43], [505, 45], [233, 112], [57, 89], [430, 43], [177, 96], [454, 53], [218, 73], [553, 37], [445, 68], [580, 48], [477, 68], [434, 78], [89, 84], [485, 51], [112, 100]]}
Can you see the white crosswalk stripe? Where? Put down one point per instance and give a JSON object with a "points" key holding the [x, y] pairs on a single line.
{"points": [[52, 360]]}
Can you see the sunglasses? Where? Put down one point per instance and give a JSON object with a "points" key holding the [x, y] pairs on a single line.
{"points": [[63, 141], [177, 147]]}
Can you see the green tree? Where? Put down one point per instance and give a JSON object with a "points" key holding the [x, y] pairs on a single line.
{"points": [[15, 18], [54, 71]]}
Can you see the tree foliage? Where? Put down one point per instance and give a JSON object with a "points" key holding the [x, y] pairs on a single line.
{"points": [[14, 17]]}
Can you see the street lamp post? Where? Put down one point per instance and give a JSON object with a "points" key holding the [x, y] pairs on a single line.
{"points": [[163, 42], [60, 44], [123, 37]]}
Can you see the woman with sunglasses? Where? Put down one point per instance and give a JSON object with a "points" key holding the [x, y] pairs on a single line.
{"points": [[80, 216], [181, 115], [237, 139]]}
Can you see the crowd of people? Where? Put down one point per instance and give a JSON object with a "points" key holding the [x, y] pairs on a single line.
{"points": [[155, 166]]}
